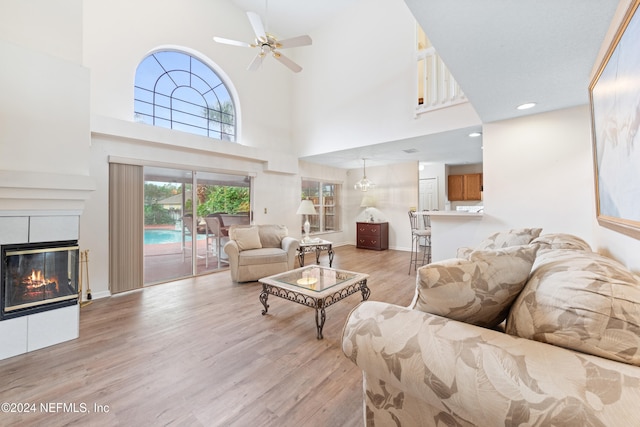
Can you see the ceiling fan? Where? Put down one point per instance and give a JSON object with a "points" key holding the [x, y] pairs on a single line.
{"points": [[268, 43]]}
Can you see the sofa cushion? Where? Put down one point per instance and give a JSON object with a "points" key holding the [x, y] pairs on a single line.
{"points": [[561, 241], [271, 235], [478, 290], [514, 237], [246, 237], [582, 301], [503, 239], [262, 256], [464, 252]]}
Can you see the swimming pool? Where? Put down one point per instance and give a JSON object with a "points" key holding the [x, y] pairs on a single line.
{"points": [[158, 237]]}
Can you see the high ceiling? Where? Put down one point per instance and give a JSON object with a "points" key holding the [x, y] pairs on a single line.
{"points": [[290, 18], [506, 53], [502, 53]]}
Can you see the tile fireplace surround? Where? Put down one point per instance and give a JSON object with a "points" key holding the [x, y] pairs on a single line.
{"points": [[40, 207]]}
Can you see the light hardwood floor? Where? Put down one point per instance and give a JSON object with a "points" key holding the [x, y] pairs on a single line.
{"points": [[198, 352]]}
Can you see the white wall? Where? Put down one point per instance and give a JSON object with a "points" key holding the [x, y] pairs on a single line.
{"points": [[274, 190], [45, 117], [118, 34], [51, 27], [537, 173], [44, 146], [44, 124], [395, 192], [359, 83]]}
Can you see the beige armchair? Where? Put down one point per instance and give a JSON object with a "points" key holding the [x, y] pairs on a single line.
{"points": [[257, 251]]}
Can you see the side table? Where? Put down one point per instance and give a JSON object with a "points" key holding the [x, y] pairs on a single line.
{"points": [[317, 246]]}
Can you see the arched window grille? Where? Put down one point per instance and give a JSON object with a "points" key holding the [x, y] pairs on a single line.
{"points": [[178, 91]]}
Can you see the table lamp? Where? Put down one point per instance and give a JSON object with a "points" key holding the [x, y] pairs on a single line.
{"points": [[368, 202], [306, 208]]}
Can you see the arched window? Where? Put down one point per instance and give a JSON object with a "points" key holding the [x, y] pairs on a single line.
{"points": [[178, 91]]}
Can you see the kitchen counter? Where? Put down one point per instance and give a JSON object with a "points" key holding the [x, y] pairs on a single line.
{"points": [[453, 229], [453, 214]]}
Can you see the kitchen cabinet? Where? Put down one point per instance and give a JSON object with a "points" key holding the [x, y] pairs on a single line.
{"points": [[372, 235], [465, 187]]}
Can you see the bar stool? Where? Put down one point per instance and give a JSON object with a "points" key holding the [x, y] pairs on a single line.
{"points": [[427, 240], [417, 236]]}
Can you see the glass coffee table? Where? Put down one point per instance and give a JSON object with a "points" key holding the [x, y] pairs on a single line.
{"points": [[314, 286]]}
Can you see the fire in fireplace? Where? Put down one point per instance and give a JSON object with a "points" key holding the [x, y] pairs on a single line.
{"points": [[38, 277]]}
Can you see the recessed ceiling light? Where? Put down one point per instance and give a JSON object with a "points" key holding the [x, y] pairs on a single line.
{"points": [[475, 134], [526, 106], [410, 150]]}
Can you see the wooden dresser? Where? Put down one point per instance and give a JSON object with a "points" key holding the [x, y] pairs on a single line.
{"points": [[372, 235]]}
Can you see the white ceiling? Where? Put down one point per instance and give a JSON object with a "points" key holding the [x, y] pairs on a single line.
{"points": [[506, 53], [290, 18], [502, 53]]}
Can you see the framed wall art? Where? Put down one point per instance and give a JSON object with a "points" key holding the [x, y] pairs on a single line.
{"points": [[615, 112]]}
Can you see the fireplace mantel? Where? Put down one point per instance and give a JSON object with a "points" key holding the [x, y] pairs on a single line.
{"points": [[40, 207], [38, 192]]}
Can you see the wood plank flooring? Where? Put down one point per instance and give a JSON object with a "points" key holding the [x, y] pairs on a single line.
{"points": [[198, 352]]}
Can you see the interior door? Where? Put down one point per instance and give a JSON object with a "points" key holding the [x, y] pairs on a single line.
{"points": [[428, 196]]}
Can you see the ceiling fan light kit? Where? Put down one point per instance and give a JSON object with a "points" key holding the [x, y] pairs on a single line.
{"points": [[268, 43]]}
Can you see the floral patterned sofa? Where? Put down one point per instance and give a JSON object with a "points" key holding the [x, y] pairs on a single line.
{"points": [[523, 330]]}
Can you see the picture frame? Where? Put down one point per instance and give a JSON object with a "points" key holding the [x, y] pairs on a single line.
{"points": [[614, 95]]}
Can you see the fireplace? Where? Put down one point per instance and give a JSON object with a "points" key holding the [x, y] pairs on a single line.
{"points": [[38, 277]]}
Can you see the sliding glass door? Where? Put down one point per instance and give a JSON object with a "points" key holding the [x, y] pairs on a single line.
{"points": [[221, 200], [184, 220]]}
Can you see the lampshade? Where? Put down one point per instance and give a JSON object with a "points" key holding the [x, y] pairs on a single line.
{"points": [[367, 202], [306, 208], [364, 184]]}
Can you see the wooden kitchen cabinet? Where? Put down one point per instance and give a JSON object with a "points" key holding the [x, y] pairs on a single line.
{"points": [[465, 187], [456, 187], [372, 235], [473, 186]]}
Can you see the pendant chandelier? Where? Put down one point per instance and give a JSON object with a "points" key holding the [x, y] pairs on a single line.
{"points": [[364, 184]]}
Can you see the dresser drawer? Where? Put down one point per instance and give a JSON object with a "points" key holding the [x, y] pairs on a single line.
{"points": [[372, 235], [367, 229]]}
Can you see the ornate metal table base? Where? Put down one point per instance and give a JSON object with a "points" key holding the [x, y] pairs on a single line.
{"points": [[317, 248], [320, 304]]}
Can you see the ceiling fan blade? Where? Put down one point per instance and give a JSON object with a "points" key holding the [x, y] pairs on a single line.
{"points": [[286, 61], [256, 24], [294, 42], [256, 62], [231, 42]]}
